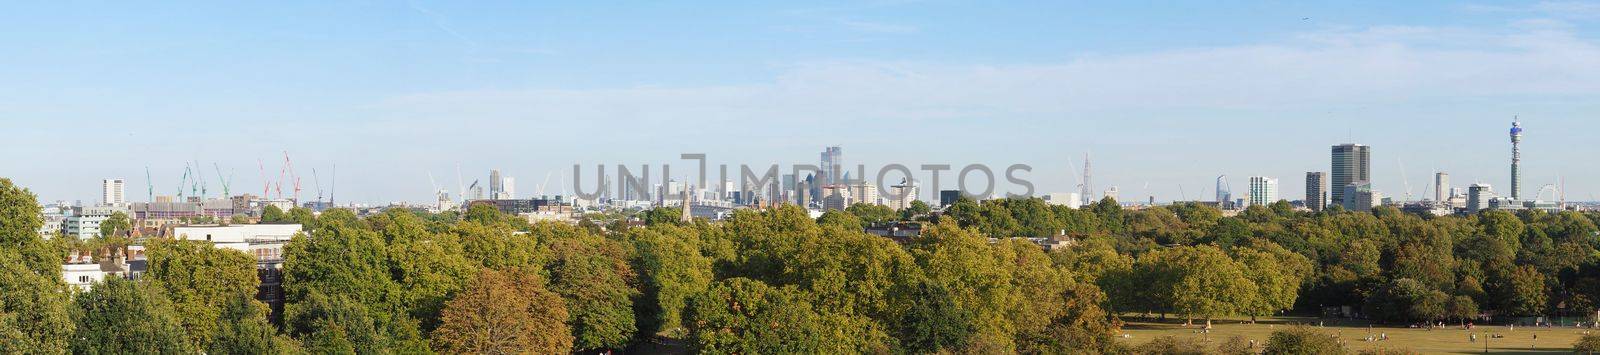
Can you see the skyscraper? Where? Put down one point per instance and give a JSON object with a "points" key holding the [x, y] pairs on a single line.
{"points": [[1441, 187], [832, 164], [111, 192], [1263, 190], [1516, 159], [494, 184], [1224, 193], [1316, 190], [1351, 163]]}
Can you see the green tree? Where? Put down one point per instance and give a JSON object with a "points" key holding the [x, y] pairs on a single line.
{"points": [[744, 316], [428, 267], [672, 270], [593, 276], [121, 317], [960, 265], [271, 214], [916, 210], [504, 312], [200, 280], [1199, 281], [871, 213], [242, 328], [344, 264], [34, 306]]}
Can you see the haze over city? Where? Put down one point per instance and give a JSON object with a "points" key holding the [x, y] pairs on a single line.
{"points": [[1165, 98]]}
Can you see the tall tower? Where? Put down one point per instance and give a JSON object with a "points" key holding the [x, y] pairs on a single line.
{"points": [[1351, 163], [1441, 187], [1224, 192], [1316, 190], [1516, 159], [1087, 196]]}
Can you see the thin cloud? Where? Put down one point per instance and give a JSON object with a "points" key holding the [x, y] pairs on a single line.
{"points": [[877, 27]]}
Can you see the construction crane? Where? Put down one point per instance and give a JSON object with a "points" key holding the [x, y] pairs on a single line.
{"points": [[227, 191], [287, 172], [149, 186], [461, 190], [200, 175], [1404, 178], [317, 182], [333, 184], [543, 184], [265, 184], [183, 181]]}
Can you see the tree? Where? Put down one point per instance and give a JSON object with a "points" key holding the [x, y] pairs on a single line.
{"points": [[1199, 281], [271, 214], [1303, 340], [960, 265], [593, 276], [916, 210], [33, 302], [1277, 274], [336, 324], [1462, 308], [871, 213], [672, 270], [744, 316], [121, 317], [341, 266], [504, 312], [200, 279], [242, 328], [427, 266], [1171, 345], [1519, 289], [114, 232]]}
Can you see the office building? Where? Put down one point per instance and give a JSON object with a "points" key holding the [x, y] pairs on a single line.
{"points": [[1360, 197], [1263, 190], [1316, 190], [111, 192], [1351, 163], [832, 164], [1441, 187], [948, 197], [494, 184], [1478, 196]]}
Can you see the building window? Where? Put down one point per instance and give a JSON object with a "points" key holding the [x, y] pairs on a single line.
{"points": [[83, 279]]}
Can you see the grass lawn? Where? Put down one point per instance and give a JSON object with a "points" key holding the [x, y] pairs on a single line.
{"points": [[1449, 340]]}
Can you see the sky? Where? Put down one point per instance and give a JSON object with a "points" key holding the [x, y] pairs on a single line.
{"points": [[1164, 96]]}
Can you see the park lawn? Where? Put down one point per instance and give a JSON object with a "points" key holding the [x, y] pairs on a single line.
{"points": [[1449, 340]]}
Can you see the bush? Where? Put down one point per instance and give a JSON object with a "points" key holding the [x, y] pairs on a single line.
{"points": [[1170, 345], [1303, 340], [1588, 344], [1236, 345]]}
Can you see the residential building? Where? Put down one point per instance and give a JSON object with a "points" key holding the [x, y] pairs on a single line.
{"points": [[1316, 191], [1263, 190], [111, 192]]}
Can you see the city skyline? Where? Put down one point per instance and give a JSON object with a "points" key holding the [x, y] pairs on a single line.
{"points": [[1164, 103]]}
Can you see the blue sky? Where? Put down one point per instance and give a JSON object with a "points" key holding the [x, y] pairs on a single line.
{"points": [[1167, 95]]}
